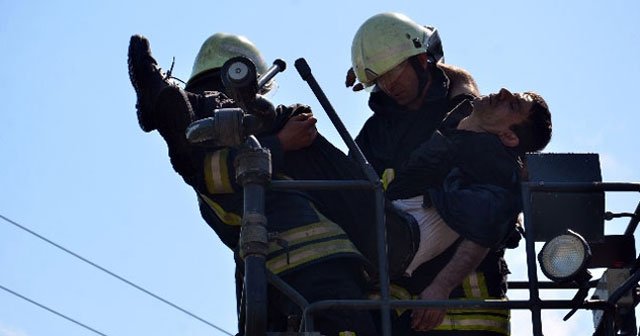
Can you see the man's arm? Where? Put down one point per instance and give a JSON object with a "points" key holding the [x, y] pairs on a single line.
{"points": [[460, 81], [467, 258], [479, 213], [482, 213]]}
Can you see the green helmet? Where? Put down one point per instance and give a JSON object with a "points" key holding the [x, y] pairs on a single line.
{"points": [[219, 48], [386, 40]]}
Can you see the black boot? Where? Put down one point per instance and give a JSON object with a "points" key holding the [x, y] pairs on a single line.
{"points": [[173, 113], [147, 79]]}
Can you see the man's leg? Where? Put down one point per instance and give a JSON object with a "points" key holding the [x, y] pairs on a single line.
{"points": [[330, 280], [353, 209]]}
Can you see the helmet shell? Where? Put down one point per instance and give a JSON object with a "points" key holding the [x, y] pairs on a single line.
{"points": [[386, 40], [219, 48]]}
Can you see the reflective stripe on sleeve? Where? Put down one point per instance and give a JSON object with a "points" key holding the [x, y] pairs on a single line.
{"points": [[387, 176], [475, 286], [216, 174], [228, 218]]}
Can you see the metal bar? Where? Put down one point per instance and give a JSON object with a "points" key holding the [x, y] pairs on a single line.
{"points": [[255, 292], [454, 304], [636, 264], [633, 222], [278, 66], [534, 295], [293, 295], [625, 287], [581, 186], [287, 290], [253, 233], [305, 72], [383, 263], [320, 184], [548, 285]]}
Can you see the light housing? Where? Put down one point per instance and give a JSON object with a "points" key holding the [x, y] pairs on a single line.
{"points": [[565, 258]]}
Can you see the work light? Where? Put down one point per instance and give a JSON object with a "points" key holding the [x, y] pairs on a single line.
{"points": [[565, 257]]}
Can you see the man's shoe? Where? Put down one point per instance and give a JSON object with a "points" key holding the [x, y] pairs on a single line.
{"points": [[173, 111], [147, 80]]}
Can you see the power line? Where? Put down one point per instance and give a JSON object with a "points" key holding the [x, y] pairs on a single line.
{"points": [[117, 276], [51, 310]]}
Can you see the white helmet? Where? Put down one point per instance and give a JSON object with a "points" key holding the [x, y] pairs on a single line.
{"points": [[219, 48], [386, 40]]}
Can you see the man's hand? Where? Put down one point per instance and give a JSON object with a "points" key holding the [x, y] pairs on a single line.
{"points": [[467, 257], [299, 132], [425, 319]]}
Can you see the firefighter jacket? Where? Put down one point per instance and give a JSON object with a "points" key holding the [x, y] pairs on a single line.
{"points": [[387, 139], [299, 234], [390, 135]]}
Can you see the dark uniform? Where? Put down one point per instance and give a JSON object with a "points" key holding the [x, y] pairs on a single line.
{"points": [[308, 251], [387, 139]]}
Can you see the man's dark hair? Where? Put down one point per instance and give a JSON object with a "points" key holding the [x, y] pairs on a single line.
{"points": [[535, 132]]}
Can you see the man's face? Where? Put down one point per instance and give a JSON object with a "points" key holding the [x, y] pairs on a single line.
{"points": [[497, 112], [400, 83]]}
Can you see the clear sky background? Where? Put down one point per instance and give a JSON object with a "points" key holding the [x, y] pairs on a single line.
{"points": [[76, 168]]}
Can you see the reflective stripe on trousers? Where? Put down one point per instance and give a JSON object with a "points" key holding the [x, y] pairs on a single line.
{"points": [[495, 320], [307, 243], [475, 288]]}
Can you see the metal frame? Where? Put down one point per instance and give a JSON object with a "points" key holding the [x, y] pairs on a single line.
{"points": [[535, 304]]}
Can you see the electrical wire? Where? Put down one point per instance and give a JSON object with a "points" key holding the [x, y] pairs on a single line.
{"points": [[51, 310], [183, 310]]}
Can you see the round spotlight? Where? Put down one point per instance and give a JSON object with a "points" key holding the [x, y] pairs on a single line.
{"points": [[564, 257]]}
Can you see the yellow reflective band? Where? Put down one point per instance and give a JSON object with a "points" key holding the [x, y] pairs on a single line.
{"points": [[228, 218], [304, 254], [395, 293], [399, 293], [346, 333], [475, 286], [387, 176], [216, 174], [496, 324], [307, 233]]}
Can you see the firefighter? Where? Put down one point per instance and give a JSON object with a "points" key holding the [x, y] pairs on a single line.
{"points": [[411, 92], [308, 251]]}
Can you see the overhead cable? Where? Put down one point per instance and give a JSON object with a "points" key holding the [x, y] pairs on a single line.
{"points": [[51, 310], [116, 276]]}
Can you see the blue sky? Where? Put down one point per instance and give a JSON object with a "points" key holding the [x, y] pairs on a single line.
{"points": [[77, 169]]}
